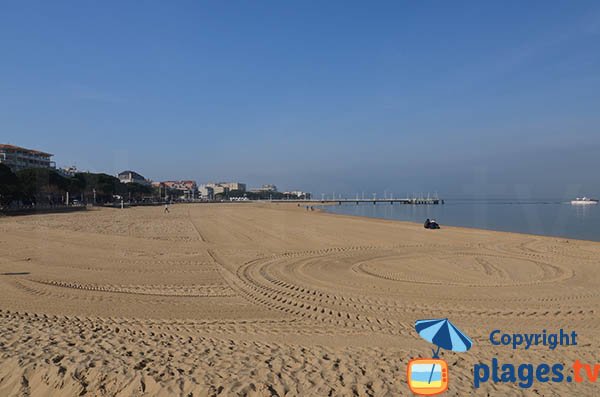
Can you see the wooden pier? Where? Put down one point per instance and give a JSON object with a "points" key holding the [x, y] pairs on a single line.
{"points": [[413, 201]]}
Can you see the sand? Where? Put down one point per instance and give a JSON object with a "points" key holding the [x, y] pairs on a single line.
{"points": [[268, 299]]}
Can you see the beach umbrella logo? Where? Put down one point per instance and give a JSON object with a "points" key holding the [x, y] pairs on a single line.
{"points": [[428, 377]]}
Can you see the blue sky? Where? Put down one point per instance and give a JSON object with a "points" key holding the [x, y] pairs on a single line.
{"points": [[463, 98]]}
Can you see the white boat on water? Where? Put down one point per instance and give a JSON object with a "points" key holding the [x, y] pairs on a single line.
{"points": [[584, 201]]}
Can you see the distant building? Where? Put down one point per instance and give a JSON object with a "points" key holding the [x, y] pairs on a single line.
{"points": [[265, 188], [222, 187], [297, 195], [132, 177], [18, 158], [189, 188], [268, 188], [206, 192], [181, 185], [217, 188], [234, 186], [68, 171]]}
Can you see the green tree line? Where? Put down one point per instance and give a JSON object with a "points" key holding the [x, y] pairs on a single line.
{"points": [[46, 186]]}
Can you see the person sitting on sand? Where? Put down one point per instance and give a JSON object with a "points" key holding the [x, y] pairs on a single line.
{"points": [[427, 223]]}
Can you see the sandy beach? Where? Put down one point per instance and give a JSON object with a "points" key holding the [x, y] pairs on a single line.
{"points": [[271, 299]]}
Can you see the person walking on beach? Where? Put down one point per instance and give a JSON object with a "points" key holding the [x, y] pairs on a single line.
{"points": [[166, 208]]}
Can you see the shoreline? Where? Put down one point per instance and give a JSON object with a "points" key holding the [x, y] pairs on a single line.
{"points": [[445, 226]]}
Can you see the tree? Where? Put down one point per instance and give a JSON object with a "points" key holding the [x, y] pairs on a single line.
{"points": [[9, 186], [105, 186], [44, 185], [237, 193], [135, 191]]}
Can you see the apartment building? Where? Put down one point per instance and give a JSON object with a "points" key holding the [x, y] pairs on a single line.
{"points": [[19, 158]]}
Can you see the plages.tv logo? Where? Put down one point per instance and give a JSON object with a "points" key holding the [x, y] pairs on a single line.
{"points": [[429, 376]]}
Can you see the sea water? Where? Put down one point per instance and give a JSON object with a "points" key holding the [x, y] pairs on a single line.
{"points": [[544, 217]]}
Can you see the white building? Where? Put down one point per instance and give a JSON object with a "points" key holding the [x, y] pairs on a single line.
{"points": [[206, 192], [18, 158], [68, 171], [234, 186], [132, 177], [297, 194], [268, 188], [222, 187]]}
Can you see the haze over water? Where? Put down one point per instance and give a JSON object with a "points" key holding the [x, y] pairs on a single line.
{"points": [[544, 217]]}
